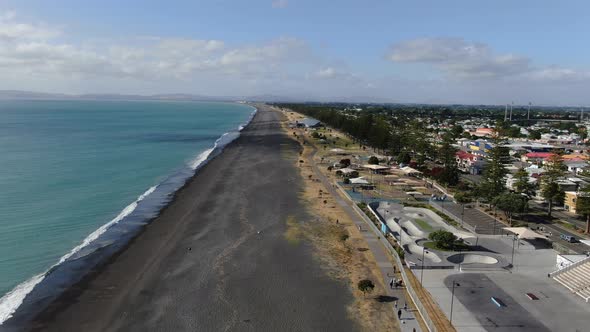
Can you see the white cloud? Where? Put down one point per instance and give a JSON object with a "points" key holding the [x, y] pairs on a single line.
{"points": [[459, 58], [10, 29], [31, 49], [280, 4]]}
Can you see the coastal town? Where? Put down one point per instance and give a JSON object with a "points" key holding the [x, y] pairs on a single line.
{"points": [[483, 212]]}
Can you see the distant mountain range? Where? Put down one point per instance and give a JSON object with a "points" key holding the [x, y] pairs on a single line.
{"points": [[30, 95]]}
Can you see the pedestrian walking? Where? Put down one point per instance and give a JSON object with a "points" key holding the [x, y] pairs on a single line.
{"points": [[405, 306], [391, 283], [395, 304], [399, 314], [394, 269]]}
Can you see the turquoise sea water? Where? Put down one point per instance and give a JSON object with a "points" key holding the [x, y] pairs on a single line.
{"points": [[69, 167]]}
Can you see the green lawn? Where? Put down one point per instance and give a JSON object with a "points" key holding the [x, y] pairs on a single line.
{"points": [[425, 226], [459, 246]]}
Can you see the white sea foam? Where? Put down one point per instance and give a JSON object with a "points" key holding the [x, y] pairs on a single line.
{"points": [[13, 299], [201, 158]]}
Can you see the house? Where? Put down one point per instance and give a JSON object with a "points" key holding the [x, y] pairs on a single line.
{"points": [[570, 201], [536, 157], [576, 166], [483, 132], [469, 162]]}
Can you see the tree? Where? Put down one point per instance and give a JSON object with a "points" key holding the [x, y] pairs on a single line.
{"points": [[493, 180], [345, 162], [443, 239], [373, 160], [510, 203], [522, 185], [534, 134], [583, 205], [450, 173], [404, 158], [550, 189], [366, 286]]}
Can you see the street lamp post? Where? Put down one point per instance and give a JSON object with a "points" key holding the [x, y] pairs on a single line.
{"points": [[512, 260], [452, 299], [422, 270], [494, 220]]}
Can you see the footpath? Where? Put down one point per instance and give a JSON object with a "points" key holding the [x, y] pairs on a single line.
{"points": [[408, 321]]}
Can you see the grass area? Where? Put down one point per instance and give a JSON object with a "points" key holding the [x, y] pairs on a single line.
{"points": [[459, 246], [424, 225], [446, 218]]}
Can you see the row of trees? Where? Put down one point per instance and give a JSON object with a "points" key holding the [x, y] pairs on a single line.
{"points": [[409, 139], [404, 136]]}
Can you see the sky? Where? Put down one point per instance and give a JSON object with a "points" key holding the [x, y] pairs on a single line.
{"points": [[455, 51]]}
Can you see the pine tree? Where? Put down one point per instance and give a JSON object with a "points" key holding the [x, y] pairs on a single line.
{"points": [[550, 189], [493, 180], [522, 185]]}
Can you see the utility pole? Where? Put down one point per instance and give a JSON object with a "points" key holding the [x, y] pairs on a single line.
{"points": [[511, 111], [506, 113], [528, 113]]}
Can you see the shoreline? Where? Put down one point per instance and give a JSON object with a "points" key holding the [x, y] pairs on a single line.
{"points": [[73, 268], [160, 251]]}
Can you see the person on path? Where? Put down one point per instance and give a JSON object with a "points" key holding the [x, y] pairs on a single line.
{"points": [[395, 304], [391, 283], [399, 314], [405, 306]]}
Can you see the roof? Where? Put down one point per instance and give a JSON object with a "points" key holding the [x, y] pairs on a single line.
{"points": [[309, 122], [360, 180], [465, 155], [543, 155], [376, 167], [524, 233], [410, 170], [346, 170]]}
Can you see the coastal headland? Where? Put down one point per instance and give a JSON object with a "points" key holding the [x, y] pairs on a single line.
{"points": [[217, 258]]}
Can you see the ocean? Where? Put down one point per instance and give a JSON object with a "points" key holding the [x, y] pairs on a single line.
{"points": [[78, 179]]}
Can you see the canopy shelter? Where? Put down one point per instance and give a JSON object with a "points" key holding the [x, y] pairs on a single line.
{"points": [[525, 233], [360, 180], [410, 171], [345, 171], [376, 167], [338, 151]]}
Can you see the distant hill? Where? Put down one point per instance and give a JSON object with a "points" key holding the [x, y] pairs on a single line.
{"points": [[30, 95]]}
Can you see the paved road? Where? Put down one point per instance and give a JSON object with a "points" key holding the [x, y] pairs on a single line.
{"points": [[562, 215], [555, 233], [408, 322]]}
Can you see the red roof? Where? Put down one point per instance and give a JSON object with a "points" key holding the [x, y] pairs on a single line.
{"points": [[465, 155], [485, 130], [543, 155]]}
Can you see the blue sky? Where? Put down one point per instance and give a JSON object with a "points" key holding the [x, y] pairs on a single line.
{"points": [[404, 51]]}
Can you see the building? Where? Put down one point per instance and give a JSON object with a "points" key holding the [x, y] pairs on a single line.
{"points": [[570, 201], [536, 157], [309, 123], [469, 162]]}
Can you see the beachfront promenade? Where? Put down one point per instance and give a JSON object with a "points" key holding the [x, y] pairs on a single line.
{"points": [[408, 320], [216, 259]]}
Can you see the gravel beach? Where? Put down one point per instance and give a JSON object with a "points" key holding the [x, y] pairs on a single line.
{"points": [[216, 259]]}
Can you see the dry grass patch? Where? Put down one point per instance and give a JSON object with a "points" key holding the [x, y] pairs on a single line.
{"points": [[340, 247]]}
